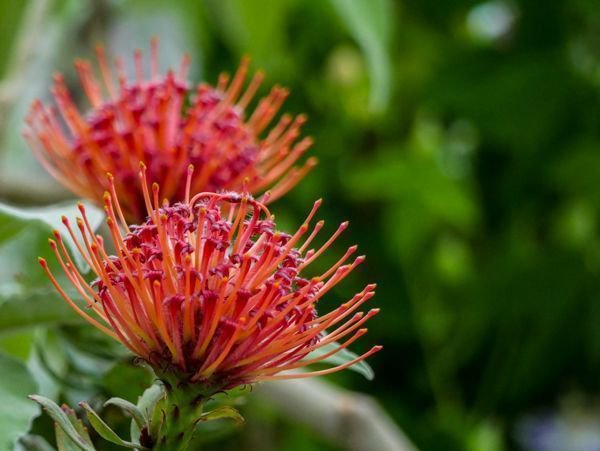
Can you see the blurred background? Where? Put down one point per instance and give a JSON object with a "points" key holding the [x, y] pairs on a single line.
{"points": [[462, 141]]}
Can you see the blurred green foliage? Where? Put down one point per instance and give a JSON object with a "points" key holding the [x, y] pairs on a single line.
{"points": [[462, 140]]}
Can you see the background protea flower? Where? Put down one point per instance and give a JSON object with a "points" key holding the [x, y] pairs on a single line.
{"points": [[160, 121], [210, 290]]}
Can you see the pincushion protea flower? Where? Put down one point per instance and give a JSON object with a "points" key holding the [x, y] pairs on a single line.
{"points": [[160, 121], [208, 288]]}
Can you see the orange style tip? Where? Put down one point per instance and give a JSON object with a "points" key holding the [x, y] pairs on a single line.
{"points": [[362, 331], [358, 316], [42, 261], [243, 321], [307, 142], [343, 268], [142, 166], [64, 220], [106, 196], [321, 223], [155, 187], [312, 161], [191, 168], [109, 176], [52, 243], [81, 207]]}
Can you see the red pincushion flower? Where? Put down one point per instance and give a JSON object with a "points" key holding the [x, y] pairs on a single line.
{"points": [[210, 289], [161, 122]]}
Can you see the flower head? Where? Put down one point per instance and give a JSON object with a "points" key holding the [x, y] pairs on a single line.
{"points": [[160, 121], [209, 288]]}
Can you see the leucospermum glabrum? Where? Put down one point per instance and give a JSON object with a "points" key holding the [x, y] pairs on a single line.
{"points": [[160, 120], [211, 295]]}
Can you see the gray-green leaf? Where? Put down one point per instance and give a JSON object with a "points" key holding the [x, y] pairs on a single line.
{"points": [[129, 408], [104, 430], [147, 405], [341, 357], [45, 219], [16, 412], [63, 442], [62, 420], [224, 412], [35, 307]]}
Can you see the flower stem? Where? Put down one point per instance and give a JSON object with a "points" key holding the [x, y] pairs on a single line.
{"points": [[180, 410]]}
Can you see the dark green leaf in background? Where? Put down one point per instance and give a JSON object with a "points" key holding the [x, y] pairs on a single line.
{"points": [[370, 22]]}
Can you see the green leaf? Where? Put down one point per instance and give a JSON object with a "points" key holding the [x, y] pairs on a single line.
{"points": [[16, 412], [258, 27], [64, 423], [46, 219], [63, 441], [104, 430], [224, 412], [35, 307], [151, 396], [129, 408], [341, 357], [31, 442], [147, 405], [370, 23]]}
